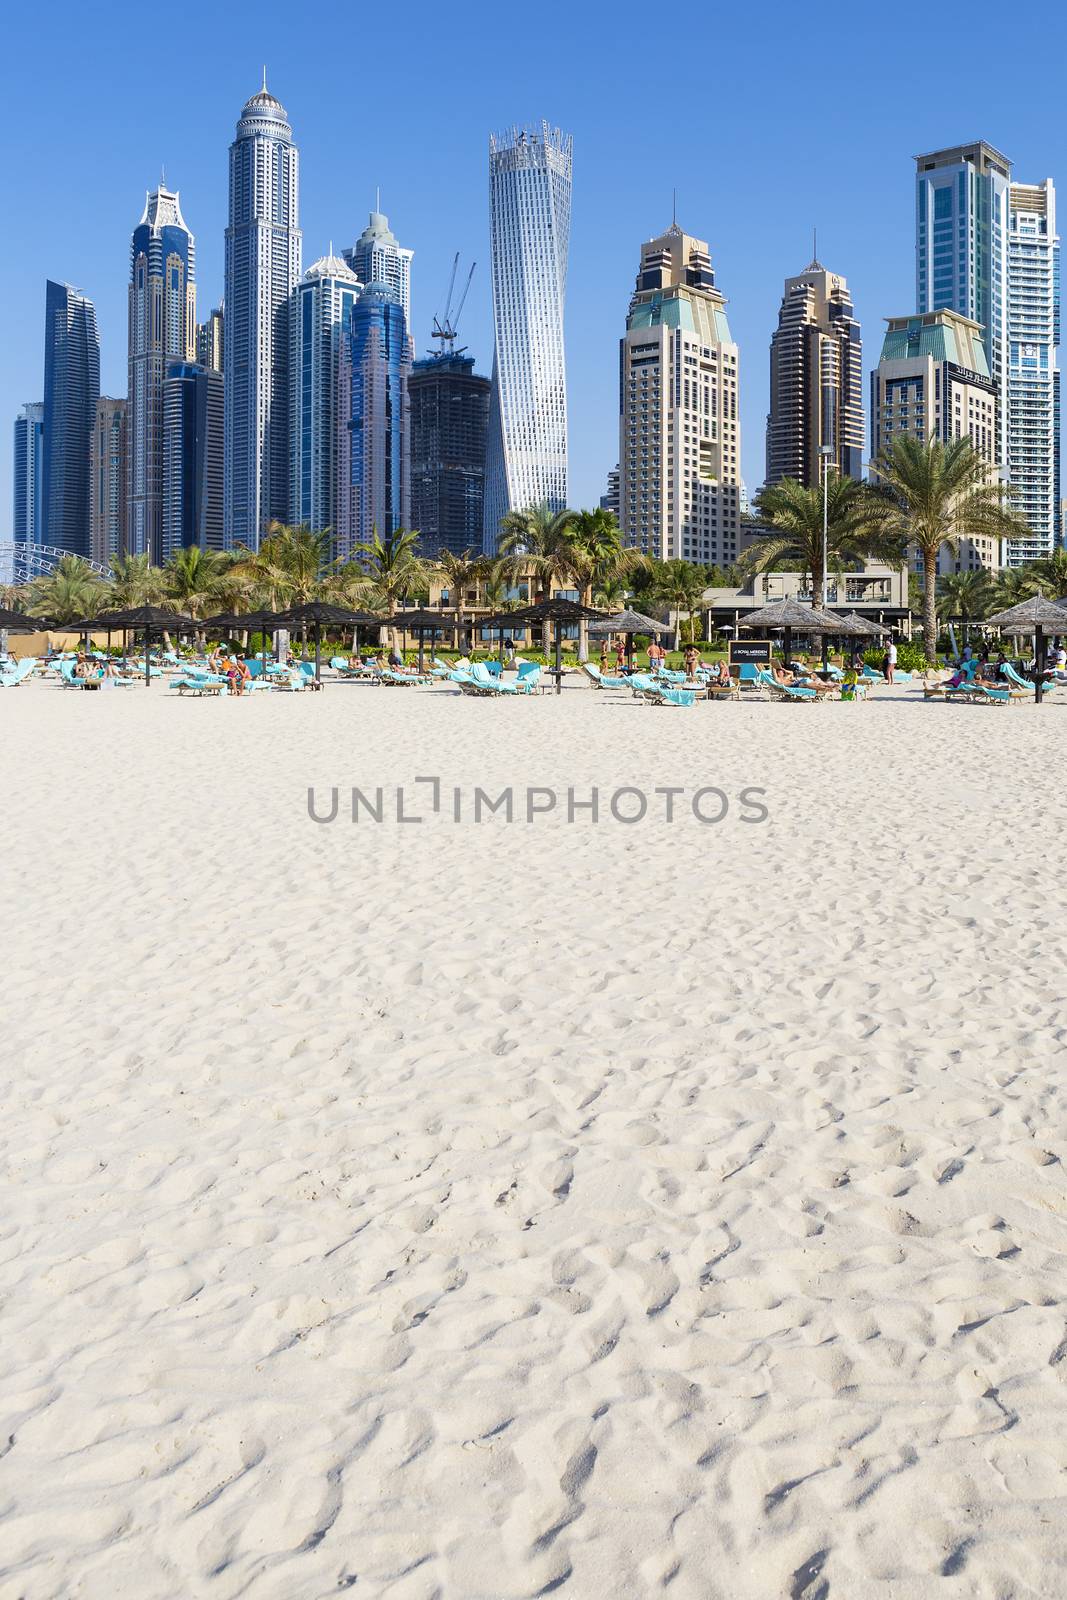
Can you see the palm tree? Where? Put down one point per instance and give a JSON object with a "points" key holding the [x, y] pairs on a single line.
{"points": [[793, 518], [1049, 575], [966, 595], [599, 557], [134, 581], [459, 572], [680, 586], [1012, 586], [394, 571], [612, 594], [73, 589], [935, 494], [539, 540]]}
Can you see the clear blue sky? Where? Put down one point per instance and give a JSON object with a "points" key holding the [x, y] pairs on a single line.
{"points": [[767, 118]]}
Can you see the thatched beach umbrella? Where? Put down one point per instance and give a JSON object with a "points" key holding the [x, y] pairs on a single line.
{"points": [[228, 622], [1038, 616], [150, 619], [561, 613], [628, 622], [319, 614], [420, 623], [789, 616]]}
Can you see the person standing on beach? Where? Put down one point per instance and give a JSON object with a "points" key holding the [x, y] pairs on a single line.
{"points": [[890, 660], [656, 655]]}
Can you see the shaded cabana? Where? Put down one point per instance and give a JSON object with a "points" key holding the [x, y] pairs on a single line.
{"points": [[319, 614], [420, 623], [794, 616], [1043, 618], [629, 623], [559, 612]]}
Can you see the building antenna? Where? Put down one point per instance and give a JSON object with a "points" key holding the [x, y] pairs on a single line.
{"points": [[378, 198], [264, 79], [163, 175], [674, 208]]}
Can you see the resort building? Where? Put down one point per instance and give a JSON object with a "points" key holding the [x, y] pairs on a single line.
{"points": [[27, 515], [71, 390], [529, 227], [210, 340], [961, 251], [319, 316], [193, 413], [449, 404], [373, 442], [877, 592], [933, 381], [109, 472], [263, 258], [377, 257], [816, 382], [679, 430], [162, 328], [1033, 431]]}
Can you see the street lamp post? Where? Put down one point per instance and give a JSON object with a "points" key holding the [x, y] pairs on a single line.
{"points": [[825, 454]]}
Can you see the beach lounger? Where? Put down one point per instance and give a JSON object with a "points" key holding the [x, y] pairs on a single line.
{"points": [[598, 679], [785, 691], [200, 683], [388, 675], [23, 670]]}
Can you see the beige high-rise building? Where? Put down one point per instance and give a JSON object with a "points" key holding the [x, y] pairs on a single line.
{"points": [[108, 467], [816, 381], [933, 381], [679, 433]]}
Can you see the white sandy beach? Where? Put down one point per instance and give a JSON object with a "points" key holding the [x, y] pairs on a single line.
{"points": [[489, 1211]]}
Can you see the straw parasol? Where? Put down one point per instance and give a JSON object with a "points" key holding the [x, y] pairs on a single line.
{"points": [[227, 622], [787, 616], [420, 623], [319, 614], [1039, 617], [558, 611], [628, 622], [149, 619]]}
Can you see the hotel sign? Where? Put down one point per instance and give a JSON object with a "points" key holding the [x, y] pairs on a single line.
{"points": [[745, 651]]}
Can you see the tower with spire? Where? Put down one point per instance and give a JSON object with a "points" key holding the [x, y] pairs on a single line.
{"points": [[263, 261], [378, 257], [815, 422], [162, 328]]}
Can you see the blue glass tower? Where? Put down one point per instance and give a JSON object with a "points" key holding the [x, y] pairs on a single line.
{"points": [[71, 390], [373, 449], [263, 252], [162, 328], [319, 316], [26, 521]]}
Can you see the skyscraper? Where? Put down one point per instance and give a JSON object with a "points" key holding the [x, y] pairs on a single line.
{"points": [[109, 469], [933, 382], [377, 257], [961, 249], [263, 252], [210, 340], [1033, 430], [320, 315], [27, 522], [71, 390], [816, 381], [162, 327], [449, 422], [529, 221], [373, 456], [679, 434], [192, 457]]}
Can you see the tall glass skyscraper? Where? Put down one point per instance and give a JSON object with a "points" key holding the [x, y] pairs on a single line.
{"points": [[109, 467], [162, 328], [529, 222], [263, 252], [373, 480], [816, 381], [26, 519], [1033, 376], [320, 315], [71, 390], [961, 249], [192, 457], [377, 257]]}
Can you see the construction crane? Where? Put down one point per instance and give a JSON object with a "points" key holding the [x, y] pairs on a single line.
{"points": [[445, 327]]}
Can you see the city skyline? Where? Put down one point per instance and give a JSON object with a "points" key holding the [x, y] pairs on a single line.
{"points": [[756, 213]]}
